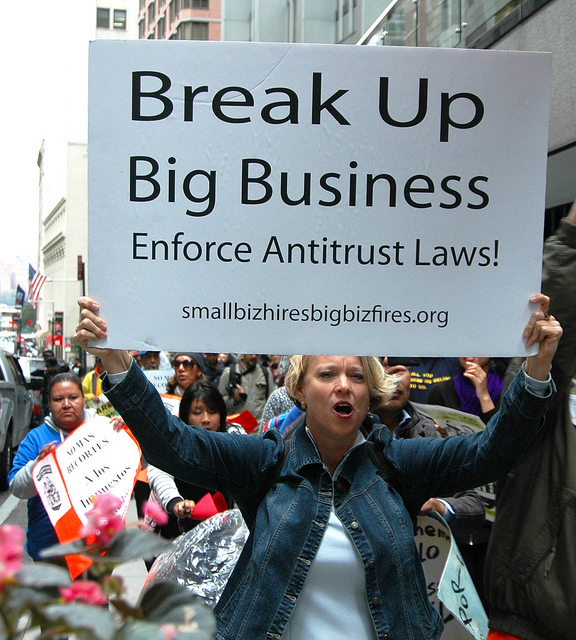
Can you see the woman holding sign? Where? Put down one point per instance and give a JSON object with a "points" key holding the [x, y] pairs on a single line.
{"points": [[331, 551], [67, 411]]}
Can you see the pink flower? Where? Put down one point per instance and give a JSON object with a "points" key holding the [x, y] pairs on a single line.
{"points": [[103, 523], [11, 548], [170, 630], [85, 591], [155, 511]]}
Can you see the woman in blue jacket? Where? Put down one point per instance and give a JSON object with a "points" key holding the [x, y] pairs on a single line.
{"points": [[67, 411], [331, 550]]}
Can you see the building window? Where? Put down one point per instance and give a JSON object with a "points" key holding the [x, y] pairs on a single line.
{"points": [[141, 29], [119, 19], [161, 28], [151, 13], [174, 10], [192, 31], [195, 4], [103, 18]]}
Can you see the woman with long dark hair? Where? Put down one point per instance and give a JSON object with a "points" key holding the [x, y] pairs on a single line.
{"points": [[202, 405]]}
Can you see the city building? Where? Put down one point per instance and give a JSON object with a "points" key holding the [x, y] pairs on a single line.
{"points": [[180, 20], [63, 188]]}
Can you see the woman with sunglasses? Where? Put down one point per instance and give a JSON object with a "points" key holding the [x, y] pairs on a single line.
{"points": [[202, 405], [188, 368]]}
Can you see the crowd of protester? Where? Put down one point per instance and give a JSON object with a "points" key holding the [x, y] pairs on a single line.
{"points": [[524, 566]]}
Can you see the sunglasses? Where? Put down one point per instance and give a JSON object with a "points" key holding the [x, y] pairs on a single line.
{"points": [[187, 364]]}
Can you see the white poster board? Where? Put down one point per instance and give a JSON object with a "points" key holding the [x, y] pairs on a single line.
{"points": [[281, 198], [450, 588], [92, 460]]}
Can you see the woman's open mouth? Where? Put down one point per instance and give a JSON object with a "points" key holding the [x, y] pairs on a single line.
{"points": [[343, 409]]}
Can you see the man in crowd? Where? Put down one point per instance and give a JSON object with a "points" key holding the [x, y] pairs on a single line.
{"points": [[464, 512], [150, 360], [213, 369], [246, 385]]}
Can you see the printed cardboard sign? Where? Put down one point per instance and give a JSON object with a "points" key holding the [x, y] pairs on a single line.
{"points": [[291, 198]]}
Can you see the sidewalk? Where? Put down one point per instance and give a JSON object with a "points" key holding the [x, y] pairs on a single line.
{"points": [[133, 573]]}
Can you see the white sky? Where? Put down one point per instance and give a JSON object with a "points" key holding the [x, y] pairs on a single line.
{"points": [[44, 95]]}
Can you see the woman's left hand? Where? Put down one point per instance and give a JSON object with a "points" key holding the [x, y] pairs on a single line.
{"points": [[46, 449], [544, 330]]}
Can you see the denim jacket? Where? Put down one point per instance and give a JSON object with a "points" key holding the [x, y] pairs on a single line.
{"points": [[287, 521]]}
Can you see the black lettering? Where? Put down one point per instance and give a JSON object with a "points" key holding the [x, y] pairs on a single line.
{"points": [[291, 103], [422, 104], [318, 106], [446, 120], [218, 102], [146, 177], [158, 94], [261, 180]]}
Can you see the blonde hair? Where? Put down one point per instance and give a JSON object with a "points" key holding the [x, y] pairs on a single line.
{"points": [[380, 384]]}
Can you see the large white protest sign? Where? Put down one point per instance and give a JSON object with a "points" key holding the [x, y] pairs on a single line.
{"points": [[281, 198]]}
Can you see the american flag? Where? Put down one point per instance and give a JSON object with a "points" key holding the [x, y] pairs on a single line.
{"points": [[36, 281]]}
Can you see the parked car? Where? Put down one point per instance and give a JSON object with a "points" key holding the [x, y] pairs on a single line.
{"points": [[33, 370], [16, 407]]}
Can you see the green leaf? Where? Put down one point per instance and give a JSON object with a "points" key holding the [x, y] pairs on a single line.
{"points": [[171, 603], [128, 544], [68, 549], [138, 630], [133, 543], [44, 575], [21, 598], [97, 621]]}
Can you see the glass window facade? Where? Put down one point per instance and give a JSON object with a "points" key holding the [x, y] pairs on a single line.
{"points": [[441, 23]]}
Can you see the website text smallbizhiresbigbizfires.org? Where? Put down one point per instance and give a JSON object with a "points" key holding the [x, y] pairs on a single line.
{"points": [[332, 315]]}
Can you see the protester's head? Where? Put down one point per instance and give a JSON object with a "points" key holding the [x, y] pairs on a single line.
{"points": [[51, 364], [336, 393], [212, 359], [401, 395], [188, 368], [150, 360], [483, 363], [249, 360], [379, 385], [66, 401], [202, 405], [135, 353]]}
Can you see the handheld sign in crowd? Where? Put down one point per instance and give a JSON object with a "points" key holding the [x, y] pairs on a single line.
{"points": [[450, 587], [281, 198], [93, 459]]}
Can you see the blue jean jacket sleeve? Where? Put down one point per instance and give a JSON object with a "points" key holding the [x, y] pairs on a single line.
{"points": [[438, 466], [233, 464]]}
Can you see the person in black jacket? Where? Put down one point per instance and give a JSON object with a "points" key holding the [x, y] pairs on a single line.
{"points": [[464, 512]]}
